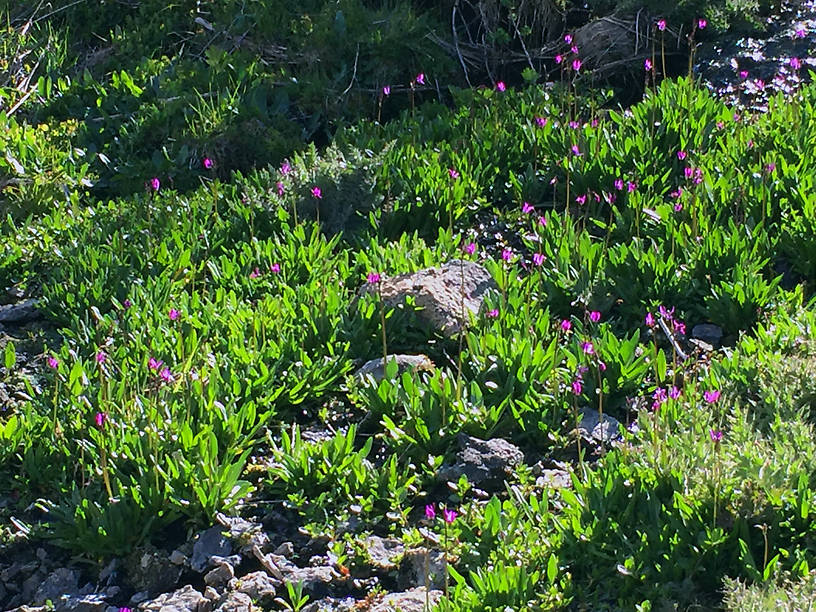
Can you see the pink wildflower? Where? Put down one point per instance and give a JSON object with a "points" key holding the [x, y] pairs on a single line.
{"points": [[386, 90], [661, 24], [500, 86], [650, 320], [166, 375], [101, 357], [566, 325], [577, 387], [587, 348], [541, 121], [619, 184], [594, 316], [470, 248], [373, 277], [430, 512], [538, 259], [453, 173], [493, 313], [576, 65], [420, 78], [255, 273], [100, 419], [275, 268], [173, 314], [506, 254], [279, 185], [449, 515], [702, 23], [317, 192], [207, 163], [716, 436], [648, 65], [154, 183], [526, 208], [559, 58], [53, 362], [711, 396], [154, 364]]}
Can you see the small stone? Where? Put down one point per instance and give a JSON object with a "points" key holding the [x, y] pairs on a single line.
{"points": [[375, 370], [220, 576], [21, 312], [177, 557], [149, 569], [415, 600], [708, 333], [243, 533], [486, 463], [287, 549], [591, 428], [185, 599], [258, 585], [59, 582], [234, 602], [383, 553], [94, 602], [421, 566], [211, 542], [211, 594], [331, 604], [315, 580], [138, 597]]}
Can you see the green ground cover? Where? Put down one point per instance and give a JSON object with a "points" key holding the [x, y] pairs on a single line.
{"points": [[206, 318]]}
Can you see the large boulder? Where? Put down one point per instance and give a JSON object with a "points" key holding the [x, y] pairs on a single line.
{"points": [[446, 295]]}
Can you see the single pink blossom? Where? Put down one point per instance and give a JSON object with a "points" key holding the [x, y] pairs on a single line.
{"points": [[800, 33], [568, 39], [650, 320], [285, 168], [279, 185], [594, 316], [542, 221], [101, 357], [678, 206], [574, 49], [619, 184], [702, 23], [559, 58], [53, 362], [581, 199], [154, 183], [154, 364], [100, 419], [506, 254], [127, 304], [576, 151], [255, 273], [681, 155], [711, 396], [538, 259], [275, 268], [207, 163], [430, 512], [566, 325], [588, 348], [470, 248], [716, 436], [166, 375], [500, 86], [453, 173], [493, 313], [373, 277], [576, 65], [577, 387], [601, 366], [674, 392], [526, 208], [386, 90], [661, 24], [795, 63], [173, 314], [630, 186], [317, 192], [449, 515], [420, 78], [541, 121], [648, 65], [743, 74], [574, 125]]}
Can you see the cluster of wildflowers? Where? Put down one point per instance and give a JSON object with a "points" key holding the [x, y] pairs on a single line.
{"points": [[564, 58], [448, 515], [661, 394]]}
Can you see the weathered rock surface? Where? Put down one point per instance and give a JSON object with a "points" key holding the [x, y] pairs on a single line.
{"points": [[219, 577], [149, 569], [331, 604], [384, 553], [421, 566], [210, 543], [708, 333], [234, 602], [444, 294], [414, 600], [259, 586], [484, 462], [592, 428], [376, 369], [185, 599], [21, 312]]}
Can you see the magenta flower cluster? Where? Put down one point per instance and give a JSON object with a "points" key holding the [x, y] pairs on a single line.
{"points": [[448, 515]]}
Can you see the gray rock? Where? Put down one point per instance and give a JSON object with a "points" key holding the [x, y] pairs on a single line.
{"points": [[177, 557], [259, 586], [420, 567], [376, 370], [234, 602], [443, 294], [93, 602], [32, 583], [708, 333], [60, 582], [331, 604], [220, 576], [210, 543], [287, 549], [591, 428], [243, 533], [415, 600], [149, 569], [484, 462], [384, 553], [211, 594], [185, 599], [316, 580], [21, 312]]}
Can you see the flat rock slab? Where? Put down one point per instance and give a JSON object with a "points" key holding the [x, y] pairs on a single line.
{"points": [[415, 600], [708, 333], [483, 461], [21, 312], [210, 543], [592, 428], [186, 599], [376, 369], [443, 294], [384, 553]]}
